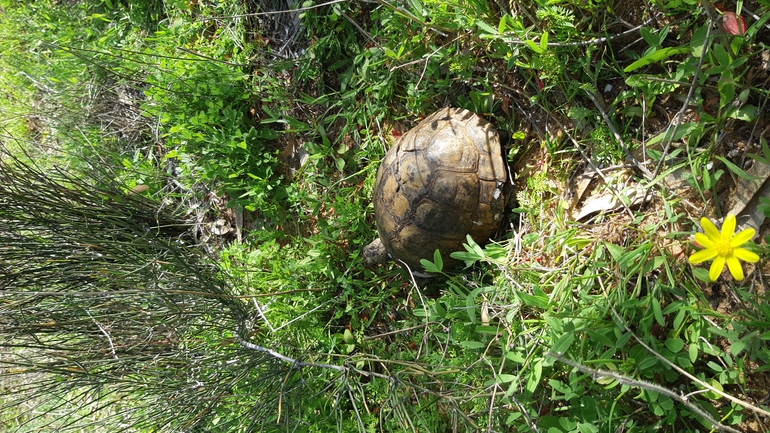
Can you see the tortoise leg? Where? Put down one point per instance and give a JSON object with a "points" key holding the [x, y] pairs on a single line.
{"points": [[375, 253]]}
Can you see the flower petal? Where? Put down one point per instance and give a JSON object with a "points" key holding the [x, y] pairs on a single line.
{"points": [[742, 237], [746, 255], [703, 255], [704, 240], [728, 228], [716, 268], [735, 268], [711, 230]]}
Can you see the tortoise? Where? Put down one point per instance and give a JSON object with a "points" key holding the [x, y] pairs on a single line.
{"points": [[441, 181]]}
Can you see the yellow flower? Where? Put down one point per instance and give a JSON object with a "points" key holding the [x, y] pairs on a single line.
{"points": [[724, 247]]}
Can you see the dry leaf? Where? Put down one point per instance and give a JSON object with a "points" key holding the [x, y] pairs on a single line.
{"points": [[139, 189], [579, 183], [748, 192], [609, 202], [221, 227]]}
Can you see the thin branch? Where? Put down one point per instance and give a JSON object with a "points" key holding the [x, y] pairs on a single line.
{"points": [[366, 34], [679, 369], [596, 41], [602, 374], [284, 358], [211, 58], [286, 11], [397, 331], [303, 315], [676, 122], [109, 339], [608, 121]]}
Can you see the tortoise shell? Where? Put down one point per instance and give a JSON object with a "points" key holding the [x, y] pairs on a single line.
{"points": [[441, 181]]}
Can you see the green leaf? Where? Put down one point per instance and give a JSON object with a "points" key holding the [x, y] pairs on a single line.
{"points": [[533, 300], [429, 266], [708, 181], [347, 337], [502, 27], [683, 130], [486, 28], [563, 343], [505, 378], [616, 251], [675, 344], [737, 170], [474, 252], [470, 301], [714, 366], [698, 41], [437, 260], [737, 347], [721, 55], [533, 376], [516, 357], [640, 80], [417, 7], [711, 394], [487, 330], [587, 428], [702, 274], [653, 264], [656, 311], [757, 26], [628, 260], [747, 113], [268, 134], [468, 257], [472, 344], [439, 310], [535, 47], [649, 37], [744, 96], [656, 57], [436, 266], [647, 363], [601, 338], [726, 86], [693, 352], [680, 315], [519, 135]]}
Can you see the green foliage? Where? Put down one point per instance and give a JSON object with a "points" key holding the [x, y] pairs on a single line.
{"points": [[203, 107], [218, 108]]}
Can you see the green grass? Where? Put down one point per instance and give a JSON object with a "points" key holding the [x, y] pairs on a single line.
{"points": [[560, 325]]}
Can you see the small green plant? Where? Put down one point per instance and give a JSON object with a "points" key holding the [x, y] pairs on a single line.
{"points": [[202, 108]]}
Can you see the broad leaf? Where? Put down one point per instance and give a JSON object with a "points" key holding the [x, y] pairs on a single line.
{"points": [[656, 57]]}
